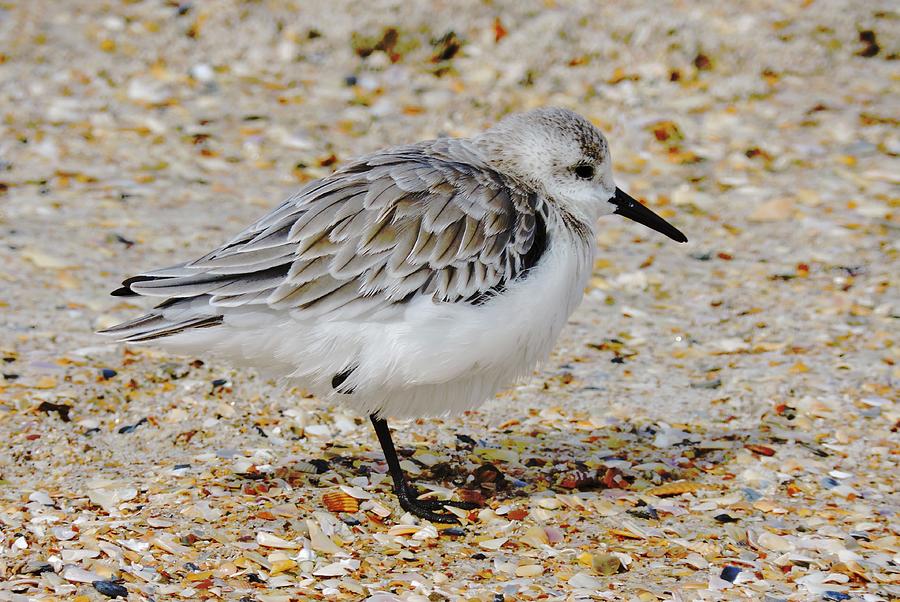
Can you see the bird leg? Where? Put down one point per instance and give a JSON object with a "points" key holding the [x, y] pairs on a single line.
{"points": [[406, 493]]}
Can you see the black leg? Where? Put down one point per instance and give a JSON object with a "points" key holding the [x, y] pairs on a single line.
{"points": [[406, 494]]}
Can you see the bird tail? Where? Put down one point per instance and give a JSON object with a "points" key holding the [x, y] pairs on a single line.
{"points": [[169, 318]]}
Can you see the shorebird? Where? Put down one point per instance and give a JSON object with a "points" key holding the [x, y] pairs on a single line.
{"points": [[415, 281]]}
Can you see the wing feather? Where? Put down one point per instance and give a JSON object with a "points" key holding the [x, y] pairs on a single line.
{"points": [[429, 219]]}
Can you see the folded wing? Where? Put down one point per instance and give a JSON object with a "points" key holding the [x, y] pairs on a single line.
{"points": [[429, 219]]}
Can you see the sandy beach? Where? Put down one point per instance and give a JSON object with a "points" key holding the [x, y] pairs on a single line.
{"points": [[719, 420]]}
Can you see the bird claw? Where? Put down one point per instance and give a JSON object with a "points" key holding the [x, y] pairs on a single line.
{"points": [[428, 509]]}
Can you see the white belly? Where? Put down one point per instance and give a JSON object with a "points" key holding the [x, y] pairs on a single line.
{"points": [[423, 358]]}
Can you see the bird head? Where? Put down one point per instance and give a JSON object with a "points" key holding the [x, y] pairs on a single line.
{"points": [[566, 158]]}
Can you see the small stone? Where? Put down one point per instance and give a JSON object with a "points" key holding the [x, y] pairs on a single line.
{"points": [[110, 589], [725, 518], [729, 573]]}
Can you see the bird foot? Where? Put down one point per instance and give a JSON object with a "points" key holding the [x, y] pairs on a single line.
{"points": [[430, 509]]}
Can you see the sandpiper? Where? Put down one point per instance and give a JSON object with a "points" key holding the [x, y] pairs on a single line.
{"points": [[418, 280]]}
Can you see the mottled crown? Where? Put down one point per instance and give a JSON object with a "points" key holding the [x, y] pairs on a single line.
{"points": [[526, 144]]}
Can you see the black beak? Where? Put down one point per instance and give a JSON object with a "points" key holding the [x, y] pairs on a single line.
{"points": [[629, 207]]}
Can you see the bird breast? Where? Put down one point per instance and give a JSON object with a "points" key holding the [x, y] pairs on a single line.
{"points": [[509, 334]]}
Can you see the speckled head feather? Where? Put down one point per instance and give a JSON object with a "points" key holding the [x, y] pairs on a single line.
{"points": [[544, 147]]}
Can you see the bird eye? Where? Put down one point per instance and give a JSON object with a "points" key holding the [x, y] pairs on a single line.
{"points": [[584, 171]]}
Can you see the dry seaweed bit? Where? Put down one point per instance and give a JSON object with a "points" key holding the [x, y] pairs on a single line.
{"points": [[365, 46], [61, 409], [446, 47], [125, 241], [870, 44], [132, 427]]}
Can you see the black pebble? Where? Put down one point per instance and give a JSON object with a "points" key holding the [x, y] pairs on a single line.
{"points": [[107, 373], [350, 80], [479, 556], [220, 382], [730, 573], [833, 595], [466, 439], [350, 520], [191, 567], [181, 466], [321, 466], [454, 531], [254, 578], [110, 589], [725, 518]]}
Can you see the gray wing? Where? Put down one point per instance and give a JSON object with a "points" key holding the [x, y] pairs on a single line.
{"points": [[428, 219]]}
